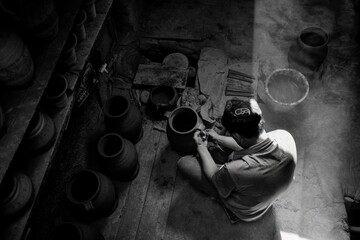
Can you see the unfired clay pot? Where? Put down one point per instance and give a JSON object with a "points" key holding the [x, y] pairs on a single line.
{"points": [[118, 157], [92, 193], [16, 195], [182, 123], [123, 118]]}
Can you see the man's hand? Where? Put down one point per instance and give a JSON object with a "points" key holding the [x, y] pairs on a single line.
{"points": [[212, 133], [200, 138]]}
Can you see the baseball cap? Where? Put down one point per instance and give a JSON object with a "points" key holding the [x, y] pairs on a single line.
{"points": [[241, 116]]}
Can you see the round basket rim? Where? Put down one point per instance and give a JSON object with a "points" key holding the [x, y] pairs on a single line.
{"points": [[300, 76]]}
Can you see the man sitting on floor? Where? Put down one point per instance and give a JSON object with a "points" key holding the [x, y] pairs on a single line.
{"points": [[259, 169]]}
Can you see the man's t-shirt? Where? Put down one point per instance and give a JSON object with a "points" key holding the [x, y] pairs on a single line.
{"points": [[251, 182]]}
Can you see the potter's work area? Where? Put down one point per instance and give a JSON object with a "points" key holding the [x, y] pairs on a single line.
{"points": [[120, 171]]}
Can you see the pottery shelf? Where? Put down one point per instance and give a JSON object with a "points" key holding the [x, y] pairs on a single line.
{"points": [[21, 105]]}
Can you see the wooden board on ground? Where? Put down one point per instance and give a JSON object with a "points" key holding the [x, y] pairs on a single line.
{"points": [[149, 75]]}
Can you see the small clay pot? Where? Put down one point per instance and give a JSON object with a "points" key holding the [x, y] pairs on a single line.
{"points": [[182, 123], [79, 26], [163, 98], [41, 134], [123, 118], [75, 231], [16, 194], [56, 97], [92, 193], [118, 157], [68, 56], [309, 51], [90, 9]]}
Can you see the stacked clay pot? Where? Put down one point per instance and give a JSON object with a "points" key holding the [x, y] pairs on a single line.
{"points": [[118, 157], [92, 193], [16, 194], [16, 62], [40, 135], [123, 118]]}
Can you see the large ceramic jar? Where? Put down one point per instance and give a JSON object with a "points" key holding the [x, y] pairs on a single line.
{"points": [[75, 231], [310, 50], [123, 118], [16, 62], [182, 123], [118, 157], [16, 194], [92, 193], [41, 134]]}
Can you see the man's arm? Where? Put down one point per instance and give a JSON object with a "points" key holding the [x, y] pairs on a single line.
{"points": [[207, 162], [225, 141]]}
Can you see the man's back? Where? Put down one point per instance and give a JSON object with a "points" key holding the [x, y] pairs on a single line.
{"points": [[251, 182]]}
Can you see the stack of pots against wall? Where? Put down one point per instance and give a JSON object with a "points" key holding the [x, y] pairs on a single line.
{"points": [[117, 153]]}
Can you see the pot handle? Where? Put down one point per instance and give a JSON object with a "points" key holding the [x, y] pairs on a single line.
{"points": [[89, 207]]}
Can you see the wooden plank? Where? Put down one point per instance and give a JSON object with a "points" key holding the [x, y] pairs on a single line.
{"points": [[154, 75], [158, 199], [131, 214], [20, 105]]}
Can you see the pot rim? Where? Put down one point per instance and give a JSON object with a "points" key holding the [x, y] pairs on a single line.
{"points": [[319, 30], [172, 100], [111, 99], [81, 18], [103, 138], [301, 76], [63, 91], [172, 115], [71, 182]]}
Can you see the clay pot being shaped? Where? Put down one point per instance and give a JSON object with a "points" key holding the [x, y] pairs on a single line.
{"points": [[92, 193], [79, 26], [55, 94], [123, 118], [16, 195], [90, 9], [118, 157], [309, 51], [163, 98], [40, 135], [182, 123], [16, 62], [75, 231]]}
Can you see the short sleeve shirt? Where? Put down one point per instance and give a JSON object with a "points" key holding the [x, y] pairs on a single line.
{"points": [[251, 182]]}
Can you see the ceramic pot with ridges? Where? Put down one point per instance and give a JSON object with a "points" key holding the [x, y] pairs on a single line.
{"points": [[41, 134], [16, 62], [123, 118], [55, 94], [16, 194], [90, 9], [118, 157], [79, 26], [92, 193]]}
